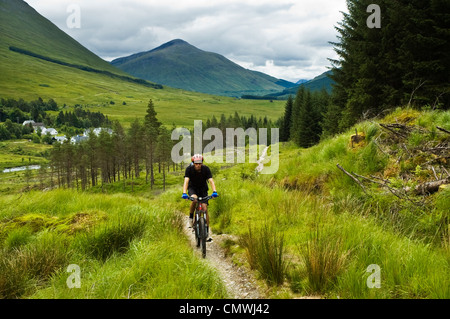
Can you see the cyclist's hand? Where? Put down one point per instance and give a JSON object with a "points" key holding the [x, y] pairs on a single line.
{"points": [[185, 196], [214, 195]]}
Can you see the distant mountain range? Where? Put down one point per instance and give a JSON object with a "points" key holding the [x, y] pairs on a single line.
{"points": [[320, 82], [37, 58], [181, 65], [301, 81]]}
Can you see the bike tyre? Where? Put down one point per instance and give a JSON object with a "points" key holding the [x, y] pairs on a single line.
{"points": [[202, 236], [197, 234]]}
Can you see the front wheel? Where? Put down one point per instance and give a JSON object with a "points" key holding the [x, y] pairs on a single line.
{"points": [[202, 235], [197, 233]]}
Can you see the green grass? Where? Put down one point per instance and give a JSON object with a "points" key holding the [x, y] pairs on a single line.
{"points": [[328, 252], [134, 249], [307, 230], [331, 229], [16, 153]]}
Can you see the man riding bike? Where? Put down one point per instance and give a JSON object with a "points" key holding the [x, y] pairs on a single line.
{"points": [[196, 177]]}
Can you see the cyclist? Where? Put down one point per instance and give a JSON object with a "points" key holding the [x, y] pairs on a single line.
{"points": [[195, 184]]}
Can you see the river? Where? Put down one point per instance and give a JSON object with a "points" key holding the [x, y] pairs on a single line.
{"points": [[22, 168]]}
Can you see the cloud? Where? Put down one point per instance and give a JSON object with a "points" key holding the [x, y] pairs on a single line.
{"points": [[285, 38]]}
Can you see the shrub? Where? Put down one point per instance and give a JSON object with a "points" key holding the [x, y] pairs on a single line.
{"points": [[323, 260], [26, 268], [265, 250], [113, 236], [18, 237]]}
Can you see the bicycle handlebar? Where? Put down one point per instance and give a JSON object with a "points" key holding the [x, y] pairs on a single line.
{"points": [[200, 199]]}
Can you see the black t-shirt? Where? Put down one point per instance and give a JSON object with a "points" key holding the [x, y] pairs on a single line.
{"points": [[198, 180]]}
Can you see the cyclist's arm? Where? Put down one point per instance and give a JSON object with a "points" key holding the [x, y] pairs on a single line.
{"points": [[185, 185], [211, 181]]}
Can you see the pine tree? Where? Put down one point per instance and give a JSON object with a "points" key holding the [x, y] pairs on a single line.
{"points": [[295, 125], [135, 141], [163, 150], [286, 124], [308, 130], [403, 62], [330, 121], [152, 127]]}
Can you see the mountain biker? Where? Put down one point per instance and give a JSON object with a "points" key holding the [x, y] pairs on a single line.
{"points": [[196, 177]]}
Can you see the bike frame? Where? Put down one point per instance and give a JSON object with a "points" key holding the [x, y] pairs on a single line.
{"points": [[200, 222]]}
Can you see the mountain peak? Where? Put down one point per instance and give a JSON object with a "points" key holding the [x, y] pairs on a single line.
{"points": [[176, 42], [181, 65]]}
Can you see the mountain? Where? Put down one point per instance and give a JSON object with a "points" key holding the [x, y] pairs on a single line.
{"points": [[39, 59], [322, 81], [22, 27], [301, 81], [181, 65]]}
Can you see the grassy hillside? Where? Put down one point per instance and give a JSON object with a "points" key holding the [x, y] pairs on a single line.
{"points": [[126, 247], [314, 229], [30, 77], [21, 26], [308, 230], [181, 65]]}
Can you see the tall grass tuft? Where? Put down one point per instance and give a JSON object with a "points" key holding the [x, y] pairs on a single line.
{"points": [[113, 236], [323, 260], [265, 251], [18, 237], [26, 268]]}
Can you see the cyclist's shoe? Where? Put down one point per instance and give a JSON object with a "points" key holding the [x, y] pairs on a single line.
{"points": [[209, 240], [191, 222]]}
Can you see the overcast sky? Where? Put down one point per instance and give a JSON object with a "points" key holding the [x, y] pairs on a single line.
{"points": [[287, 39]]}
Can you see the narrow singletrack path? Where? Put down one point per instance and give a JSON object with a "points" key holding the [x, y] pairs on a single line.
{"points": [[240, 282]]}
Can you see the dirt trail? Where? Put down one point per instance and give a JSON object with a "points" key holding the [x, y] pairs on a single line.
{"points": [[239, 282]]}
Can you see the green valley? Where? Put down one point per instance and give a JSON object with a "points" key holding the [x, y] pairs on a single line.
{"points": [[28, 77], [358, 208]]}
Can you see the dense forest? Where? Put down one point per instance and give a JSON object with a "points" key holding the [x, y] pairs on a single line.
{"points": [[404, 63]]}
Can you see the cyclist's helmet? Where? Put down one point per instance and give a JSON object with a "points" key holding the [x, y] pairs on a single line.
{"points": [[197, 158]]}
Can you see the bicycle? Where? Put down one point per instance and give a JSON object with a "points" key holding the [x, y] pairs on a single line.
{"points": [[200, 225]]}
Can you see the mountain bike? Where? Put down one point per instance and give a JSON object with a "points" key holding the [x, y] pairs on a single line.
{"points": [[200, 225]]}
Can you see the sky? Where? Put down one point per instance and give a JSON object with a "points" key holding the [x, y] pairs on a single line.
{"points": [[287, 39]]}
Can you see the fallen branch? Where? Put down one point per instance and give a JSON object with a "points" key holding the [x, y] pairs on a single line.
{"points": [[392, 190], [422, 189], [352, 177], [414, 91], [443, 168], [434, 172], [443, 129], [388, 127], [429, 187], [436, 159]]}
